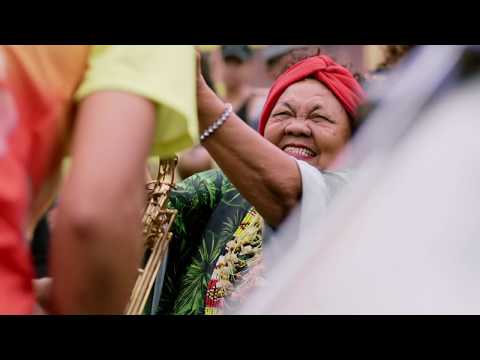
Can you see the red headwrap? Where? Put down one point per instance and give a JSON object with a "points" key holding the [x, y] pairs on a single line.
{"points": [[334, 76]]}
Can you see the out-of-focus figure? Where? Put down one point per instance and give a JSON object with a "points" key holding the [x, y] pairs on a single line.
{"points": [[197, 159], [110, 107], [277, 57], [237, 71]]}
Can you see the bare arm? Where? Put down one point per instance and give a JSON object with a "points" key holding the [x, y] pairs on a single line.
{"points": [[96, 246], [267, 177]]}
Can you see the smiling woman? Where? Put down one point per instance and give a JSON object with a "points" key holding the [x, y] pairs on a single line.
{"points": [[215, 257], [309, 123]]}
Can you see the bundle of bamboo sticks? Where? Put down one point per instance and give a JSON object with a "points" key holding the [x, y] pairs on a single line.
{"points": [[157, 221]]}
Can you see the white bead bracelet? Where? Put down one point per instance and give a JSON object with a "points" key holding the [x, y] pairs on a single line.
{"points": [[211, 129]]}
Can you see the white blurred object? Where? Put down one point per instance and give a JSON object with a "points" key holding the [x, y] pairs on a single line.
{"points": [[404, 237]]}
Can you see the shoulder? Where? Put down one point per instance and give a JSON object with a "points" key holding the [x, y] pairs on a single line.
{"points": [[310, 170], [315, 180]]}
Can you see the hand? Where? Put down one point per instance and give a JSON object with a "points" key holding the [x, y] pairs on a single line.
{"points": [[209, 105]]}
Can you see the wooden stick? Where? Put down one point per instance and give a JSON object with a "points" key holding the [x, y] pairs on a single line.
{"points": [[152, 267], [153, 222]]}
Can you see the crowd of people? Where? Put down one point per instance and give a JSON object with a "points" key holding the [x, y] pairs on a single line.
{"points": [[257, 160]]}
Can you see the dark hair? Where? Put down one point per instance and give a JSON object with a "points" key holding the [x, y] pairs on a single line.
{"points": [[302, 54]]}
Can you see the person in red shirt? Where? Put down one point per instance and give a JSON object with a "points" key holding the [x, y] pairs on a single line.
{"points": [[120, 101]]}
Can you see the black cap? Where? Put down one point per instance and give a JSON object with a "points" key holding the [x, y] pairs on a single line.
{"points": [[239, 52]]}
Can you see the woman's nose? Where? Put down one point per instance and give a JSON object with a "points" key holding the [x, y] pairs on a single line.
{"points": [[297, 127]]}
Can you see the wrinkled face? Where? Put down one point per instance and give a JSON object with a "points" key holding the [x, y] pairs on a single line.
{"points": [[236, 73], [309, 123]]}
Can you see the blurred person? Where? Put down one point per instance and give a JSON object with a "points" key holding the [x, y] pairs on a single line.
{"points": [[237, 71], [114, 104], [246, 100], [216, 253], [197, 159], [276, 57]]}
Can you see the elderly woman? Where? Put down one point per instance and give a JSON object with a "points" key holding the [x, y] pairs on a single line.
{"points": [[306, 121]]}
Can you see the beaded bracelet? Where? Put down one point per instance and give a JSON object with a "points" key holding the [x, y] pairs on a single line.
{"points": [[211, 129]]}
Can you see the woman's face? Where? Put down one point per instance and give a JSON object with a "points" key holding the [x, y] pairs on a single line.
{"points": [[309, 123]]}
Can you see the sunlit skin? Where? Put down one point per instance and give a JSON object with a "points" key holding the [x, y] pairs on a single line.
{"points": [[309, 123]]}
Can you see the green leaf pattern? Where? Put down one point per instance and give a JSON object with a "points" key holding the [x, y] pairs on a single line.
{"points": [[210, 210]]}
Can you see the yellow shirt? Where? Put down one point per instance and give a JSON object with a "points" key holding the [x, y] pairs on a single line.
{"points": [[165, 74], [47, 80]]}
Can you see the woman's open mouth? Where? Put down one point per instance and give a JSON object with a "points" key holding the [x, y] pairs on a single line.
{"points": [[300, 152]]}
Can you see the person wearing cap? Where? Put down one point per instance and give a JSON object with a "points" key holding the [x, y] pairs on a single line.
{"points": [[276, 57], [237, 72], [215, 257], [197, 159]]}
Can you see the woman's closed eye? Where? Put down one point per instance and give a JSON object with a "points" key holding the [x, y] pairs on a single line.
{"points": [[319, 117], [283, 113]]}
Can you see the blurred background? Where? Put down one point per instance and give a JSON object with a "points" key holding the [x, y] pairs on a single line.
{"points": [[362, 58]]}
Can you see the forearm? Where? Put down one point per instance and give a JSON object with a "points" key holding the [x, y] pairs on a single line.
{"points": [[267, 177], [94, 271]]}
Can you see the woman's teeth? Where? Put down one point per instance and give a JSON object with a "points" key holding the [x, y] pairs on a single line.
{"points": [[298, 151]]}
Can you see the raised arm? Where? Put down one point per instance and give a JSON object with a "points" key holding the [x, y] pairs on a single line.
{"points": [[267, 177]]}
